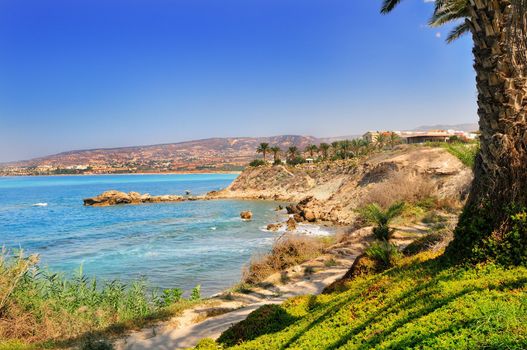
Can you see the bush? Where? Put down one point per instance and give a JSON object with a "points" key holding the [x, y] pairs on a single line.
{"points": [[277, 162], [384, 253], [401, 187], [296, 161], [256, 163], [374, 214], [287, 251], [196, 293]]}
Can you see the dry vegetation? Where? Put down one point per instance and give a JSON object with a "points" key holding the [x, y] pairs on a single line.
{"points": [[288, 250], [401, 188]]}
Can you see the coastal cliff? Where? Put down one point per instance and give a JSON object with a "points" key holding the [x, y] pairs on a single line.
{"points": [[333, 191]]}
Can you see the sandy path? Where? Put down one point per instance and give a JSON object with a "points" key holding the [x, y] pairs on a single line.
{"points": [[188, 333]]}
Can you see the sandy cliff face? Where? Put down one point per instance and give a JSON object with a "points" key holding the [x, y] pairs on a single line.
{"points": [[334, 190]]}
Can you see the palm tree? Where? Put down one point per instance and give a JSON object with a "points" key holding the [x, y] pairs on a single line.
{"points": [[393, 139], [374, 214], [312, 149], [499, 188], [381, 140], [356, 146], [324, 149], [335, 145], [263, 148], [345, 147], [276, 151], [292, 152]]}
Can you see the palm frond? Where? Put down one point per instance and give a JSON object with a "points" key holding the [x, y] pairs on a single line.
{"points": [[458, 32], [389, 5]]}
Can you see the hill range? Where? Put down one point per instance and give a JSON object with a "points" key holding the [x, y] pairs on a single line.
{"points": [[213, 154], [220, 154]]}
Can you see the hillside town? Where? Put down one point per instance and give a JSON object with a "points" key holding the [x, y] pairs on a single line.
{"points": [[217, 155]]}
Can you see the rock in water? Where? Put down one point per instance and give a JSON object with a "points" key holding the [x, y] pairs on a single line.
{"points": [[291, 224], [309, 215], [298, 218], [246, 215], [273, 227]]}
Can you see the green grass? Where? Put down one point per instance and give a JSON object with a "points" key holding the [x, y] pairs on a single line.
{"points": [[465, 152], [419, 304]]}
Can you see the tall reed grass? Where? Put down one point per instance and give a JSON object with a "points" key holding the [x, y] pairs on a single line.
{"points": [[37, 305]]}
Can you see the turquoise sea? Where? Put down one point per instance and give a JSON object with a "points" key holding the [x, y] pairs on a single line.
{"points": [[172, 244]]}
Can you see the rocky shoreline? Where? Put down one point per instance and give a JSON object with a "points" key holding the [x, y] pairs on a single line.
{"points": [[114, 197]]}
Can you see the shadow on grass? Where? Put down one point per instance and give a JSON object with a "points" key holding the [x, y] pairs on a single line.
{"points": [[265, 320]]}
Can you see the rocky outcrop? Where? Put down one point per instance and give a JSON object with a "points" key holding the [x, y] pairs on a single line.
{"points": [[117, 197], [333, 191], [273, 227]]}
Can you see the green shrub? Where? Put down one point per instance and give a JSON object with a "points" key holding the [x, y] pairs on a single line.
{"points": [[169, 296], [256, 163], [296, 161], [386, 254], [196, 293], [277, 162], [374, 214]]}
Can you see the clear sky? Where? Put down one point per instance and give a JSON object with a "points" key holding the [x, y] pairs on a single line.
{"points": [[106, 73]]}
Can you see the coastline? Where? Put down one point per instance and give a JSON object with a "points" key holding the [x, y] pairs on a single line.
{"points": [[139, 174]]}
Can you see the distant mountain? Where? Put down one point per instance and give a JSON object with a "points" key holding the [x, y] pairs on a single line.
{"points": [[213, 153], [460, 127]]}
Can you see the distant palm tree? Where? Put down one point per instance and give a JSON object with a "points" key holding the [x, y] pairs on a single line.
{"points": [[292, 152], [335, 145], [381, 140], [312, 149], [393, 139], [345, 147], [263, 148], [276, 151], [324, 149], [356, 146]]}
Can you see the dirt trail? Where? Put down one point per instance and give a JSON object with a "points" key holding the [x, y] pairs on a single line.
{"points": [[182, 332]]}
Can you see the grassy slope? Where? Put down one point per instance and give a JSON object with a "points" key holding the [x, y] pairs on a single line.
{"points": [[418, 304]]}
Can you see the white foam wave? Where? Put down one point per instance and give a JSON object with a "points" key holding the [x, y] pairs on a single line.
{"points": [[40, 205]]}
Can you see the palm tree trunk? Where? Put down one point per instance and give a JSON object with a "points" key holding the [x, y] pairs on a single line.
{"points": [[500, 184]]}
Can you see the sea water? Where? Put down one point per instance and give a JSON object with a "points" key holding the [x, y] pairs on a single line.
{"points": [[171, 244]]}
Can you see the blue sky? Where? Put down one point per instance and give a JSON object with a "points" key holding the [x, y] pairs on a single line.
{"points": [[106, 73]]}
